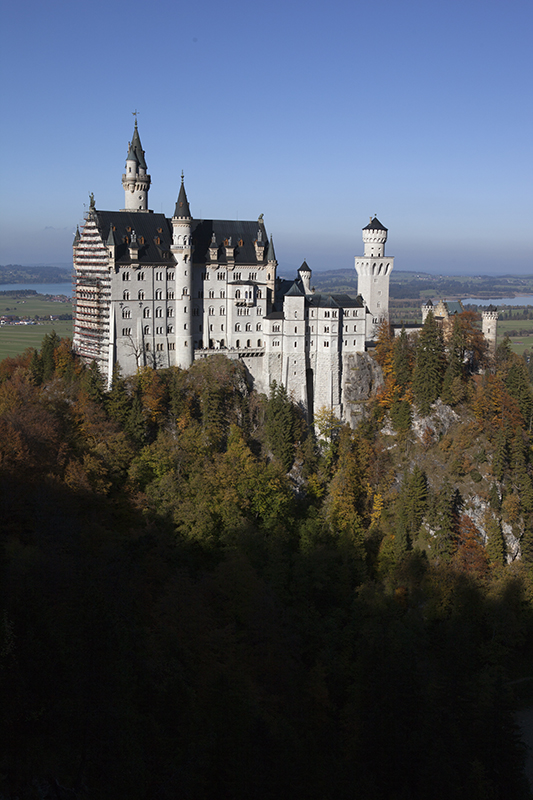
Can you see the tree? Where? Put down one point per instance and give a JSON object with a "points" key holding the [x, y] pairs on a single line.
{"points": [[281, 425], [429, 365]]}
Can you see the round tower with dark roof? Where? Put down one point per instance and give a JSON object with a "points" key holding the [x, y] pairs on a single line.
{"points": [[136, 180], [181, 249], [373, 271]]}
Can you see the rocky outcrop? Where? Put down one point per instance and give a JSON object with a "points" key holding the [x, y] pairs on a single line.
{"points": [[361, 379]]}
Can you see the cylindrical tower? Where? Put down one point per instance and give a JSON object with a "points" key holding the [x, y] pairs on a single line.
{"points": [[182, 251], [489, 326], [374, 269], [135, 180]]}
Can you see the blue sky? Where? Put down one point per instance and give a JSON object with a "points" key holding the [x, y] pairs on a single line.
{"points": [[316, 116]]}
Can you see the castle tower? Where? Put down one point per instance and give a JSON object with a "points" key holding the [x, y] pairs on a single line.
{"points": [[426, 308], [181, 249], [305, 276], [374, 269], [135, 180], [489, 325], [272, 265]]}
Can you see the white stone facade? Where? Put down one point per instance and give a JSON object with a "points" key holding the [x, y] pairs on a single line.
{"points": [[163, 292]]}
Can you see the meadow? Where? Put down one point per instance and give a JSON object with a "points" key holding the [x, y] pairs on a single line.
{"points": [[14, 339]]}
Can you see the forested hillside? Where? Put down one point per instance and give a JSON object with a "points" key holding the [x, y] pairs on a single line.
{"points": [[202, 598]]}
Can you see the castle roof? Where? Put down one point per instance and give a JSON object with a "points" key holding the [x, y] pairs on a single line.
{"points": [[375, 225], [271, 256], [241, 232], [136, 147], [153, 231], [305, 267], [294, 291], [182, 209]]}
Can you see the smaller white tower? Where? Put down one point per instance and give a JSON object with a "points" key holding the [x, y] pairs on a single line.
{"points": [[305, 276], [374, 269], [181, 248], [426, 308], [135, 180], [489, 326]]}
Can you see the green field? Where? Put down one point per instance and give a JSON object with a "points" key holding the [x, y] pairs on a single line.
{"points": [[14, 339]]}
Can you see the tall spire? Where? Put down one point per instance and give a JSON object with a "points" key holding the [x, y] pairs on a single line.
{"points": [[135, 180], [271, 256], [182, 209]]}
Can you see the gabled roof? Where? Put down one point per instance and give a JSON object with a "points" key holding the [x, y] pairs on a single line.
{"points": [[294, 291], [241, 232], [149, 229], [375, 225]]}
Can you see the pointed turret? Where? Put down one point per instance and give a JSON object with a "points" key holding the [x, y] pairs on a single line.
{"points": [[77, 237], [182, 210], [182, 249], [271, 255], [305, 276], [135, 180], [271, 275]]}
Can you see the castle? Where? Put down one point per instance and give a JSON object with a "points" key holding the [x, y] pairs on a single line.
{"points": [[163, 292]]}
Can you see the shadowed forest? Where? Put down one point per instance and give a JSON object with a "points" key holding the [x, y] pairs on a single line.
{"points": [[201, 596]]}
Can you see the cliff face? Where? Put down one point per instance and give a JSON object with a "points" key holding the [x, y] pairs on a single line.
{"points": [[362, 377]]}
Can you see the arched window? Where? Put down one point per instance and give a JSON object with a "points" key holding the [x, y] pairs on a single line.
{"points": [[259, 343], [126, 313], [140, 276], [238, 294], [211, 311], [146, 313], [125, 276], [222, 311], [126, 295], [141, 295], [258, 326], [238, 343], [248, 343], [159, 294], [248, 326], [170, 312], [238, 326], [147, 330], [159, 312]]}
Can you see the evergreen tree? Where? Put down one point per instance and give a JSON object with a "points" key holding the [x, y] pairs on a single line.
{"points": [[49, 344], [402, 360], [429, 365], [519, 387], [454, 370], [495, 541], [280, 425]]}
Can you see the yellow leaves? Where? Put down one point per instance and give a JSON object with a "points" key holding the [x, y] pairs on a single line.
{"points": [[377, 508]]}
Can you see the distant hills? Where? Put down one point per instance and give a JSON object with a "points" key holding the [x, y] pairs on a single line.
{"points": [[420, 285], [15, 273]]}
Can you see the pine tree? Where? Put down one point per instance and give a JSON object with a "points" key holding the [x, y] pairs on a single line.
{"points": [[495, 541], [280, 425], [49, 344], [454, 370], [429, 365], [402, 360]]}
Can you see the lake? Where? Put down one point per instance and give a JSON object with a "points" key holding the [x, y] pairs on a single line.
{"points": [[524, 300], [41, 288]]}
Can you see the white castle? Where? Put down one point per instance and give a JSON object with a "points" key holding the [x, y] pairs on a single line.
{"points": [[164, 292]]}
